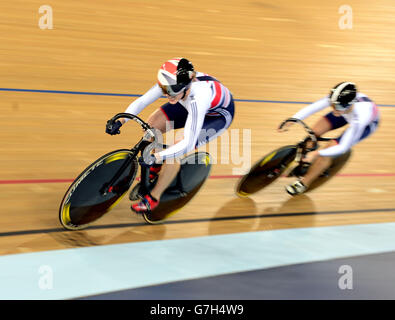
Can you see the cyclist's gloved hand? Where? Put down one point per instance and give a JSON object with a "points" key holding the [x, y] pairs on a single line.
{"points": [[148, 161], [113, 127], [285, 127]]}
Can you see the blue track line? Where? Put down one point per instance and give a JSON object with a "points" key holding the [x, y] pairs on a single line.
{"points": [[72, 92], [139, 95]]}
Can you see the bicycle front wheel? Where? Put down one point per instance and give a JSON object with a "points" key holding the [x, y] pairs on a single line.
{"points": [[266, 170], [90, 196]]}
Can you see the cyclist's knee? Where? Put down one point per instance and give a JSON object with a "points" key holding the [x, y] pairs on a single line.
{"points": [[331, 143], [158, 120], [322, 126]]}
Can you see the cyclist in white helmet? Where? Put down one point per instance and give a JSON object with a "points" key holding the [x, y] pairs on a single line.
{"points": [[349, 107], [197, 102]]}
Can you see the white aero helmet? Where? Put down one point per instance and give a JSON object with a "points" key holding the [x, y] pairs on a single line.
{"points": [[343, 95], [175, 76]]}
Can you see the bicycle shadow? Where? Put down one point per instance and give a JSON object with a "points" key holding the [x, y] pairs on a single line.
{"points": [[237, 215], [76, 239], [300, 206], [118, 233]]}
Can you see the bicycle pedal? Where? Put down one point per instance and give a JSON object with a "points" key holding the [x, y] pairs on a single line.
{"points": [[300, 170], [153, 180], [134, 194]]}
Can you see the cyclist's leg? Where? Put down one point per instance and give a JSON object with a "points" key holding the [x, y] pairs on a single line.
{"points": [[213, 126], [322, 163], [318, 167], [327, 123], [167, 117], [323, 125], [158, 120], [166, 175]]}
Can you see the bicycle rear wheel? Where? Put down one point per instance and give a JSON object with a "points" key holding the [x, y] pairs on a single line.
{"points": [[266, 170], [194, 171], [337, 164], [85, 201]]}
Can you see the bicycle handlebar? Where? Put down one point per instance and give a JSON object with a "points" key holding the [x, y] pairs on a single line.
{"points": [[309, 131], [130, 116]]}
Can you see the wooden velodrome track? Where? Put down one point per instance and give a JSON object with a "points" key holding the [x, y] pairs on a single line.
{"points": [[261, 50]]}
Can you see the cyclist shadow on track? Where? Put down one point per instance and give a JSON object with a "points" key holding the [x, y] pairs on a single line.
{"points": [[241, 215], [296, 207], [77, 239], [84, 238], [236, 215]]}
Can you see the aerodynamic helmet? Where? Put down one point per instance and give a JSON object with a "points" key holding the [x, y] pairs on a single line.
{"points": [[342, 96], [175, 76]]}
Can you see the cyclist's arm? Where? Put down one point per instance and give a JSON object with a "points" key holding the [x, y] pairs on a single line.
{"points": [[312, 108], [142, 102], [349, 138], [193, 126]]}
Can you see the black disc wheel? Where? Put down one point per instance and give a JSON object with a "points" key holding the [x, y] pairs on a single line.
{"points": [[90, 196], [265, 171]]}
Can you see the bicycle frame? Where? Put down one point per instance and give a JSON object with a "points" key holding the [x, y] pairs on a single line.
{"points": [[107, 179], [139, 147], [301, 147], [282, 161]]}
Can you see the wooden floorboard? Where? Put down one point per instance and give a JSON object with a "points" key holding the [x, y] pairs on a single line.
{"points": [[283, 51]]}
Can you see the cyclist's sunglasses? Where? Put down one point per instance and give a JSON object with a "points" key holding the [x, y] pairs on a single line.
{"points": [[341, 107], [172, 90]]}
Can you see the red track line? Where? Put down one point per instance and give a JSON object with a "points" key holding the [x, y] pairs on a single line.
{"points": [[338, 175], [366, 175], [29, 181], [35, 181]]}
